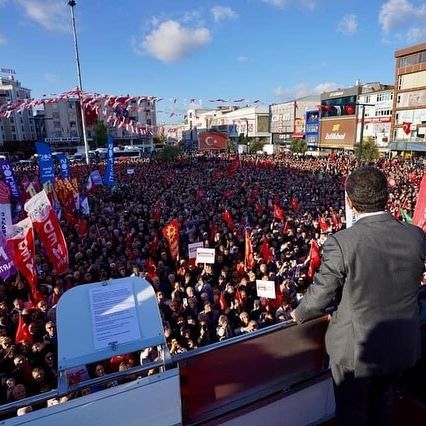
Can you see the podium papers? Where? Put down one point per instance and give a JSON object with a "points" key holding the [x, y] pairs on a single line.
{"points": [[105, 319], [114, 315]]}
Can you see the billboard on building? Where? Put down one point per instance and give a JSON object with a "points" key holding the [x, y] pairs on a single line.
{"points": [[212, 140], [337, 133]]}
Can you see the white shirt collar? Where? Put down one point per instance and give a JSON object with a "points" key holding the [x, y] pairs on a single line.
{"points": [[361, 215]]}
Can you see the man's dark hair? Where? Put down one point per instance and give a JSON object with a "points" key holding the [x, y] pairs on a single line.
{"points": [[367, 188]]}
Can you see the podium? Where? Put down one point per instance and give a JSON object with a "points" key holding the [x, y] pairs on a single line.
{"points": [[96, 322]]}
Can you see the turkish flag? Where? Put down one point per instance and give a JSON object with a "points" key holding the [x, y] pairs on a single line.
{"points": [[315, 259], [266, 251], [212, 140], [171, 233], [278, 213], [22, 332], [406, 127], [151, 269]]}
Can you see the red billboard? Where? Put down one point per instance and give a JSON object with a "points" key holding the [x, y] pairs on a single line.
{"points": [[212, 140]]}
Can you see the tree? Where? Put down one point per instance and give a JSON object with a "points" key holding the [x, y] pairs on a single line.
{"points": [[256, 146], [100, 134], [369, 149], [298, 146], [160, 140], [169, 153]]}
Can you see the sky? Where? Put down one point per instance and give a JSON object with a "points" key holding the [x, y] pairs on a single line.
{"points": [[180, 50]]}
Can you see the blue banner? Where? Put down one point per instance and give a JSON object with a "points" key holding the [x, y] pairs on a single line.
{"points": [[10, 179], [64, 166], [96, 178], [109, 172], [45, 163]]}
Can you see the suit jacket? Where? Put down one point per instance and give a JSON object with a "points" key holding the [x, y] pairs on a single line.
{"points": [[374, 270]]}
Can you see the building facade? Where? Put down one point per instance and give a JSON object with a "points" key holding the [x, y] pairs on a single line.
{"points": [[409, 104], [287, 120], [338, 118], [19, 125], [312, 129], [247, 123], [377, 102]]}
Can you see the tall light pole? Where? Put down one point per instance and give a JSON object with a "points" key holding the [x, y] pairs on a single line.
{"points": [[72, 4], [361, 133]]}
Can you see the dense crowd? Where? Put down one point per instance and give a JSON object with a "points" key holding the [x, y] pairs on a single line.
{"points": [[199, 304]]}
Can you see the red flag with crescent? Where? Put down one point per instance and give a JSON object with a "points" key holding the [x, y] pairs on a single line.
{"points": [[171, 233], [212, 140], [406, 127]]}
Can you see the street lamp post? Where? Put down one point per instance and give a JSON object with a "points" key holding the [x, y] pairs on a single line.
{"points": [[72, 4], [361, 133]]}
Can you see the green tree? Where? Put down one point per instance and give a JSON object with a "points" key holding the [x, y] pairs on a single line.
{"points": [[298, 146], [169, 153], [369, 149], [160, 140], [100, 133], [256, 146]]}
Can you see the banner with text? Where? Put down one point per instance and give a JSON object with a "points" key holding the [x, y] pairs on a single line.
{"points": [[45, 163], [265, 289], [49, 230], [109, 172], [7, 267], [5, 210], [10, 179], [21, 246], [64, 166]]}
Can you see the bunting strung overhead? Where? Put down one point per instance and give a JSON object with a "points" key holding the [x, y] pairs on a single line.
{"points": [[116, 111]]}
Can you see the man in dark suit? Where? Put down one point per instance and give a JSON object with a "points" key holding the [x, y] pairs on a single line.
{"points": [[372, 272]]}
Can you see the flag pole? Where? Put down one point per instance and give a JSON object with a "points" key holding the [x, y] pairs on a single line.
{"points": [[72, 4]]}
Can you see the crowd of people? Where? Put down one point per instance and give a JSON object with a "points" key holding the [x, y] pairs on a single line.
{"points": [[199, 304]]}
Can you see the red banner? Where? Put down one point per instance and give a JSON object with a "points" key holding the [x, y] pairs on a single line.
{"points": [[226, 216], [234, 166], [21, 246], [48, 230], [315, 259], [171, 233], [212, 140], [419, 217], [249, 256]]}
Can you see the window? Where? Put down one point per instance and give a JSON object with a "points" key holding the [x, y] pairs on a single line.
{"points": [[386, 96], [422, 58], [413, 80], [408, 60]]}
